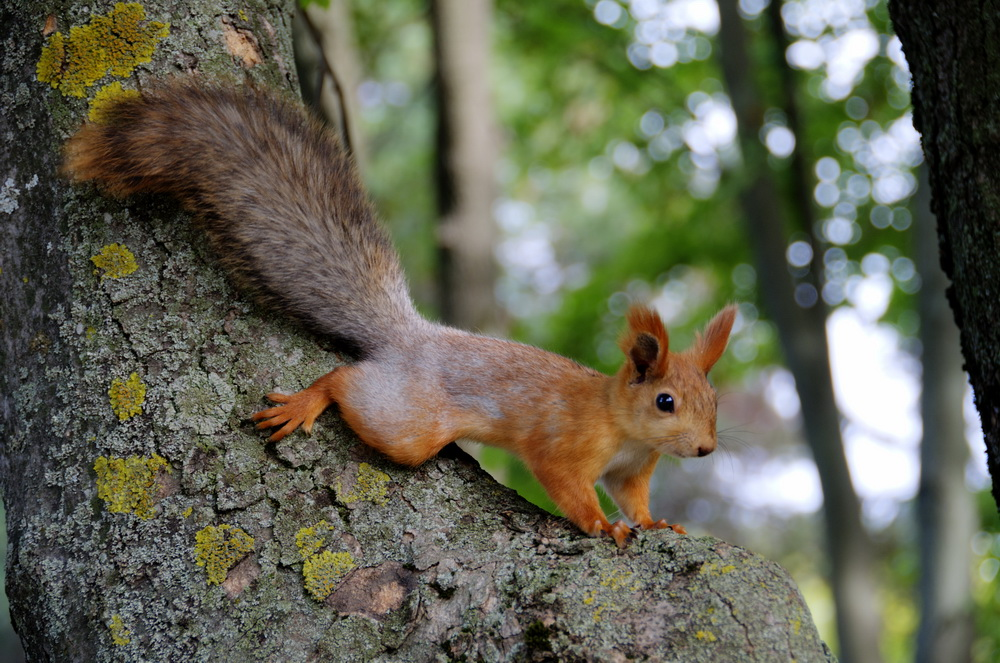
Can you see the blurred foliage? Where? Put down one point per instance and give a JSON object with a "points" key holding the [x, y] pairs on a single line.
{"points": [[605, 198], [613, 208], [986, 581]]}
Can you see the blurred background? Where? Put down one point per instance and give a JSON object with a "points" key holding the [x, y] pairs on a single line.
{"points": [[542, 164]]}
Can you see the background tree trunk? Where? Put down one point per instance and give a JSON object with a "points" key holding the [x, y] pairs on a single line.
{"points": [[802, 333], [329, 68], [466, 157], [147, 519], [956, 73], [946, 511]]}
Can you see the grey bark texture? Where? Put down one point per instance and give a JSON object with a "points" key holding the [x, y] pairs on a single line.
{"points": [[954, 59], [103, 563], [802, 333]]}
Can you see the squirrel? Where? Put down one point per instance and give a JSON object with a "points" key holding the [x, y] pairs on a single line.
{"points": [[285, 211]]}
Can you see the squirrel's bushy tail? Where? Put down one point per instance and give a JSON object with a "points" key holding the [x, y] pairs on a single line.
{"points": [[279, 199]]}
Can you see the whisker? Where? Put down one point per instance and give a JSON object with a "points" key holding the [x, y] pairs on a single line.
{"points": [[725, 440]]}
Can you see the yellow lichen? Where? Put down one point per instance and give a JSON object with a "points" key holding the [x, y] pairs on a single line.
{"points": [[707, 636], [310, 540], [187, 512], [370, 485], [114, 43], [714, 569], [127, 396], [218, 549], [323, 571], [104, 99], [128, 485], [131, 39], [49, 66], [618, 579], [116, 261], [119, 634]]}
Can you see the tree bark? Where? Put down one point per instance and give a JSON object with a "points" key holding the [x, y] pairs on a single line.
{"points": [[466, 157], [802, 334], [955, 66], [147, 519]]}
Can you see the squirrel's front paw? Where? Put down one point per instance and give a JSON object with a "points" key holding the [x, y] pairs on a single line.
{"points": [[619, 531], [663, 524], [299, 409]]}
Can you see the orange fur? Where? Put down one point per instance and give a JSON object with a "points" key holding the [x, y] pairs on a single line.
{"points": [[285, 211]]}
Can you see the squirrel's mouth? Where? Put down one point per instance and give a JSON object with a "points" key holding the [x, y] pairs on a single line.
{"points": [[685, 445]]}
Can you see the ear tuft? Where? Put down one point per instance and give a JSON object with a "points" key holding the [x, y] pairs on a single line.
{"points": [[645, 343], [710, 344]]}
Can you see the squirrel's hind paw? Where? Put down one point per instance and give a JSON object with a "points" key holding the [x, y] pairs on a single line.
{"points": [[299, 409]]}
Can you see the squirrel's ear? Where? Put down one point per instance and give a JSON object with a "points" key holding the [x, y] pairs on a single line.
{"points": [[645, 343], [711, 343]]}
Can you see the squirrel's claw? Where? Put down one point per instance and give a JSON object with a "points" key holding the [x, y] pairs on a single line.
{"points": [[274, 417], [620, 532]]}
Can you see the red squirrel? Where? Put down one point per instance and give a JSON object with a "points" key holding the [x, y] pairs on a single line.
{"points": [[285, 211]]}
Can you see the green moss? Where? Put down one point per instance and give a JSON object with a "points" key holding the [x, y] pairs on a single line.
{"points": [[127, 396], [119, 634], [218, 549], [115, 259], [323, 571], [537, 637], [114, 43], [128, 485], [104, 99], [370, 485]]}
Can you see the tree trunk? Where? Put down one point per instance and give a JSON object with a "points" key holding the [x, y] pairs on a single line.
{"points": [[802, 333], [466, 156], [946, 511], [329, 69], [956, 72], [147, 519]]}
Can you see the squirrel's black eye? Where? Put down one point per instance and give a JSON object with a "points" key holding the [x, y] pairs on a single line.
{"points": [[665, 402]]}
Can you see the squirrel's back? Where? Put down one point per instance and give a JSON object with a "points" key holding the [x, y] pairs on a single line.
{"points": [[280, 201]]}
